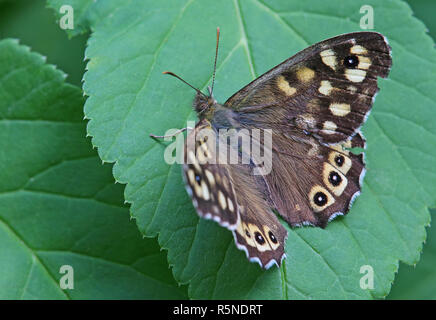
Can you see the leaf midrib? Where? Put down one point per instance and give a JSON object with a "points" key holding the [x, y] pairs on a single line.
{"points": [[34, 256]]}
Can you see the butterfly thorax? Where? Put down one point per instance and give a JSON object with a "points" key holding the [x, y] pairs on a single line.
{"points": [[219, 116]]}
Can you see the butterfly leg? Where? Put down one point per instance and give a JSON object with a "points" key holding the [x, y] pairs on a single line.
{"points": [[170, 135]]}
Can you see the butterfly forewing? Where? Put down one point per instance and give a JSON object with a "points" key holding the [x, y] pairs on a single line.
{"points": [[211, 182], [207, 182], [326, 90]]}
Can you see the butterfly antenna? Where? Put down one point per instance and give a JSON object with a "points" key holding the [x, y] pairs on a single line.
{"points": [[176, 76], [216, 56]]}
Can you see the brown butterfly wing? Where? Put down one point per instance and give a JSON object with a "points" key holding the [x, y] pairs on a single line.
{"points": [[326, 90], [315, 103], [212, 182], [310, 183], [259, 232]]}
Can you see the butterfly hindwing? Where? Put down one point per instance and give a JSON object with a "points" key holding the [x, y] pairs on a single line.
{"points": [[259, 232], [342, 176], [311, 183]]}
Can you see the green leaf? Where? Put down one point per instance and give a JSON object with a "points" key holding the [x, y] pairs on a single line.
{"points": [[417, 282], [129, 98], [58, 204], [18, 20], [86, 13], [424, 10]]}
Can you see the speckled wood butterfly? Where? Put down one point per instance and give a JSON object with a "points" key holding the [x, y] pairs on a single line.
{"points": [[314, 103]]}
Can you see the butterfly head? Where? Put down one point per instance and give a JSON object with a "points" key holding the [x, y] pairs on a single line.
{"points": [[204, 105]]}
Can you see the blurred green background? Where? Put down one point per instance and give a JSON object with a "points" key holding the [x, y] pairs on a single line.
{"points": [[35, 26]]}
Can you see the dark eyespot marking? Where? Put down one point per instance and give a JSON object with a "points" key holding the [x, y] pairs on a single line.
{"points": [[247, 233], [320, 199], [339, 160], [334, 178], [272, 237], [351, 61], [198, 178], [259, 238]]}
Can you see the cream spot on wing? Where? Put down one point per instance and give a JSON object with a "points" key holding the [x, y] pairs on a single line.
{"points": [[340, 148], [325, 87], [305, 74], [306, 121], [357, 49], [191, 157], [203, 145], [222, 200], [309, 119], [285, 87], [366, 91], [338, 189], [210, 178], [206, 150], [364, 62], [205, 188], [346, 163], [329, 127], [352, 89], [328, 57], [200, 155], [193, 160], [226, 184], [198, 190], [355, 75], [347, 144], [313, 151], [340, 109], [191, 177], [230, 204]]}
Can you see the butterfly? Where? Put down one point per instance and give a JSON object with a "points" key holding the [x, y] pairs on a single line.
{"points": [[314, 105]]}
